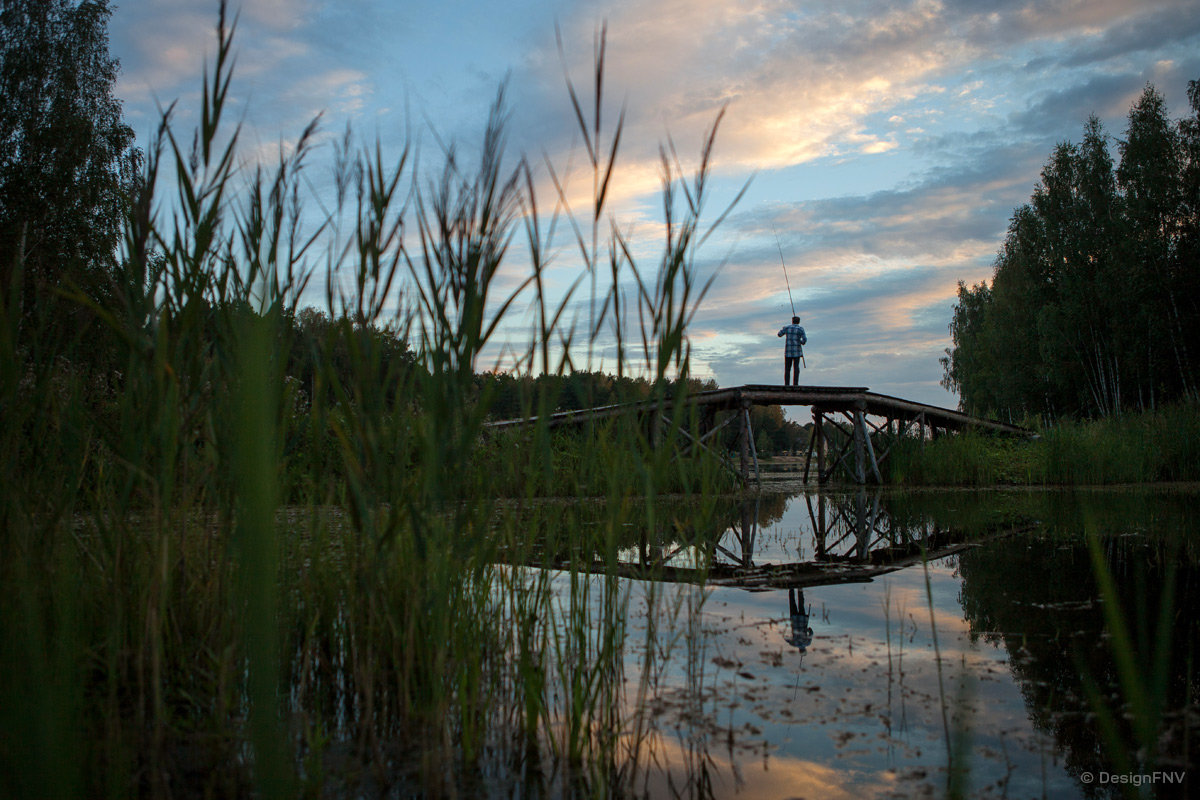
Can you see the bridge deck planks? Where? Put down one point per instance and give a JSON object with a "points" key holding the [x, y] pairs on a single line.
{"points": [[821, 398]]}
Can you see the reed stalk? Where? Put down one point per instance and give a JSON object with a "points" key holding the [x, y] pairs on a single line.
{"points": [[172, 621]]}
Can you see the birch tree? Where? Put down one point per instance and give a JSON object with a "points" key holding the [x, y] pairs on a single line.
{"points": [[66, 156]]}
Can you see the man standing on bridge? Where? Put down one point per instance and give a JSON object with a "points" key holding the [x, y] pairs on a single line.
{"points": [[793, 352]]}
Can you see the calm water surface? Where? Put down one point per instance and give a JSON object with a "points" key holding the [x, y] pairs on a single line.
{"points": [[830, 658]]}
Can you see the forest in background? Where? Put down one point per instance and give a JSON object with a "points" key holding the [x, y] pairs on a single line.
{"points": [[1094, 305]]}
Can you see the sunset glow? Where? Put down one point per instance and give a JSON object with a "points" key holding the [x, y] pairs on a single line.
{"points": [[888, 143]]}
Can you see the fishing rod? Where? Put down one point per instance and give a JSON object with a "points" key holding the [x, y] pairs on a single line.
{"points": [[788, 284], [785, 277]]}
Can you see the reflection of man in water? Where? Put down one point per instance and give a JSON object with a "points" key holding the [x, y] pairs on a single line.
{"points": [[802, 635]]}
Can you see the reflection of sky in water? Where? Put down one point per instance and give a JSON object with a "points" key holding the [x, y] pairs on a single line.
{"points": [[837, 706], [860, 713], [855, 715]]}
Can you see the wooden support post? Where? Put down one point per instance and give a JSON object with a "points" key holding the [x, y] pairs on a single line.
{"points": [[874, 462], [749, 527], [708, 420], [844, 443], [860, 448], [822, 527], [744, 445], [808, 453], [877, 517], [753, 447], [819, 430], [862, 538]]}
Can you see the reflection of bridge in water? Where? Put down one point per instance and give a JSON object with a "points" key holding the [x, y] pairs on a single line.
{"points": [[854, 540], [853, 428]]}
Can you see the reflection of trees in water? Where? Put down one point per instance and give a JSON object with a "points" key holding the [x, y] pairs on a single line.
{"points": [[840, 523], [1039, 599], [769, 508], [967, 511], [564, 530]]}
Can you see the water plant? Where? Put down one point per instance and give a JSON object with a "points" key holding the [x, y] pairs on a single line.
{"points": [[1137, 447], [173, 623]]}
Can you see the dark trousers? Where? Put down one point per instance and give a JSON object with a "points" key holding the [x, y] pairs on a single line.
{"points": [[791, 370], [796, 604]]}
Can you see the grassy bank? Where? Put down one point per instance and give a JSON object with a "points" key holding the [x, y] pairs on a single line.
{"points": [[1156, 446]]}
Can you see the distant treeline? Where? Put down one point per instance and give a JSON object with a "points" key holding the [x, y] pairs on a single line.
{"points": [[1094, 306], [323, 344], [324, 362]]}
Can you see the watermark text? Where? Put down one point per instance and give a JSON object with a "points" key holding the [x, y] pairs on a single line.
{"points": [[1134, 778]]}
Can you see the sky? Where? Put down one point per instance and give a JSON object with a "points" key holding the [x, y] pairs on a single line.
{"points": [[883, 146]]}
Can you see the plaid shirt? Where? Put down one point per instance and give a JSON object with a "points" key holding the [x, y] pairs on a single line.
{"points": [[795, 338]]}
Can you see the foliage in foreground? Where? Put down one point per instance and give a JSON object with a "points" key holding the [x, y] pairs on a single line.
{"points": [[171, 626]]}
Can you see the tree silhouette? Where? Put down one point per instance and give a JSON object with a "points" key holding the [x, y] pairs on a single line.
{"points": [[1092, 309], [66, 157]]}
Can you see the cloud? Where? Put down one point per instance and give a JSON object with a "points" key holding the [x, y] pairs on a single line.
{"points": [[795, 84], [1152, 30], [160, 47], [281, 77], [891, 140], [874, 275], [800, 80]]}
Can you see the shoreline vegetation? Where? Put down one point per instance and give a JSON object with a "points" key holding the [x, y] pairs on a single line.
{"points": [[1160, 446], [1092, 313]]}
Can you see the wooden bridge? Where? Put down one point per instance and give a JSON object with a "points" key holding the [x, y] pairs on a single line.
{"points": [[853, 428]]}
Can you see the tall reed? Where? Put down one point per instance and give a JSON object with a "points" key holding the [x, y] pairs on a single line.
{"points": [[168, 622]]}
